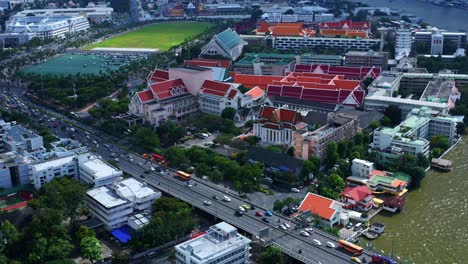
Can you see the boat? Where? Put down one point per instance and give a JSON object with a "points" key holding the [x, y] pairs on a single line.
{"points": [[441, 164], [371, 235]]}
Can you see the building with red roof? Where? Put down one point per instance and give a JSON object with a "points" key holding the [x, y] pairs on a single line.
{"points": [[284, 29], [209, 63], [157, 76], [327, 209], [214, 97], [276, 126], [346, 24], [349, 73], [162, 101], [343, 33], [357, 198]]}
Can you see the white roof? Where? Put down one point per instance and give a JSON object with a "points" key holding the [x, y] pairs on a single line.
{"points": [[53, 163], [106, 197], [132, 189], [365, 162], [406, 101], [99, 168]]}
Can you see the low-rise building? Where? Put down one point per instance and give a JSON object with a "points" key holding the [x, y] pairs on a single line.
{"points": [[346, 24], [18, 139], [114, 204], [314, 143], [97, 172], [357, 198], [366, 59], [417, 82], [43, 172], [388, 184], [214, 97], [387, 83], [221, 244], [227, 44], [361, 168], [327, 209], [14, 170], [406, 105], [321, 59], [266, 64], [296, 43], [349, 73], [277, 126]]}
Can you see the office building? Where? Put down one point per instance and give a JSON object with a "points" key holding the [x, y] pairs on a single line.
{"points": [[114, 204], [366, 59], [320, 59], [95, 14], [14, 170], [296, 43], [403, 43], [277, 126], [18, 139], [96, 172], [380, 103], [417, 82], [436, 40], [227, 44], [221, 244], [44, 172], [314, 143], [47, 26], [266, 64]]}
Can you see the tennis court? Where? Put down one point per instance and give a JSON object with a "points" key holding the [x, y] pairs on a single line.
{"points": [[15, 200]]}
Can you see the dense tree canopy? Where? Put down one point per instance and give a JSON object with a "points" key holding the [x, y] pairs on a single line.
{"points": [[271, 255]]}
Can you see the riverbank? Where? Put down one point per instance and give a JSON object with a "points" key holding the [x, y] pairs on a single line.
{"points": [[433, 227], [444, 17]]}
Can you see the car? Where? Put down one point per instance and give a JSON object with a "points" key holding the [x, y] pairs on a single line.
{"points": [[286, 225], [304, 233], [117, 159], [242, 209], [282, 227], [147, 171], [238, 213], [188, 184], [316, 242], [142, 176], [349, 225], [162, 172], [246, 206], [330, 244], [268, 213], [139, 163], [309, 229], [295, 190], [94, 142], [258, 213], [356, 260], [357, 226], [266, 220], [226, 199], [207, 202], [215, 197], [152, 169]]}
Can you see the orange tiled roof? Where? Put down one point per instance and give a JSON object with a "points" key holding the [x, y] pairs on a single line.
{"points": [[263, 27], [250, 80], [317, 204], [397, 183], [378, 172], [255, 92]]}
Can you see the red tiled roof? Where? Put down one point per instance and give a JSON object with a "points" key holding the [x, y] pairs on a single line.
{"points": [[317, 204], [169, 88], [263, 27], [357, 193], [346, 24], [250, 81], [378, 172], [279, 115], [347, 72], [145, 95], [215, 88], [255, 92], [232, 94], [209, 63], [343, 32], [159, 76]]}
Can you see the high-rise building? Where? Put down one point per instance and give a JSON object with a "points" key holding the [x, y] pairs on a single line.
{"points": [[437, 44], [221, 244], [403, 43]]}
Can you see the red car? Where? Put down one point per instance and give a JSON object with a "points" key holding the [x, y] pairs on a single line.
{"points": [[258, 213]]}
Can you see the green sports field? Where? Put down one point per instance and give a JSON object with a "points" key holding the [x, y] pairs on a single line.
{"points": [[159, 36]]}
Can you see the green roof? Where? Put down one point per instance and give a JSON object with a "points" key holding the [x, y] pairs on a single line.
{"points": [[229, 38], [381, 179], [281, 59], [271, 55]]}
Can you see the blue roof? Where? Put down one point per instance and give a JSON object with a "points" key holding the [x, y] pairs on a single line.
{"points": [[122, 233], [229, 38]]}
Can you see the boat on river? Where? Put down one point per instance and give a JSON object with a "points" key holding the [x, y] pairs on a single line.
{"points": [[441, 164]]}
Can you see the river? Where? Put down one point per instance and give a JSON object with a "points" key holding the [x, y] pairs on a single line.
{"points": [[433, 227], [449, 18]]}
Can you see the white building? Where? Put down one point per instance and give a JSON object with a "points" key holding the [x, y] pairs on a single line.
{"points": [[437, 44], [95, 13], [97, 172], [114, 204], [403, 43], [221, 244], [227, 44], [47, 26], [214, 97], [14, 170], [380, 103], [361, 168], [20, 140], [44, 172], [295, 43]]}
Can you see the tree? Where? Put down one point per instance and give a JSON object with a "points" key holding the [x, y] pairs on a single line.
{"points": [[342, 148], [278, 206], [271, 255], [367, 81], [358, 138], [417, 174], [84, 231], [120, 6], [9, 236], [256, 14], [91, 248], [332, 154], [461, 128], [393, 112], [436, 152], [289, 12], [308, 167], [385, 121], [176, 156], [146, 138], [440, 141], [228, 113], [422, 161], [252, 140], [170, 133], [355, 155], [290, 151]]}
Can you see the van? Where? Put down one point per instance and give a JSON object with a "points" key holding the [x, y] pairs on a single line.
{"points": [[357, 226]]}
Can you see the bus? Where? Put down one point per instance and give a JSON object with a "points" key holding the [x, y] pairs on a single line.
{"points": [[350, 247], [379, 259], [158, 158], [183, 175]]}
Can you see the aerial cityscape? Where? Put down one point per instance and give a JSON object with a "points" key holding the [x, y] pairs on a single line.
{"points": [[205, 131]]}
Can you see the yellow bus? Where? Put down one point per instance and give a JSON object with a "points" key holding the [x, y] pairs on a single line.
{"points": [[355, 249], [183, 175]]}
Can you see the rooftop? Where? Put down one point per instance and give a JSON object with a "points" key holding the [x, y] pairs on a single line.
{"points": [[106, 197], [317, 204], [99, 168], [133, 189], [54, 163]]}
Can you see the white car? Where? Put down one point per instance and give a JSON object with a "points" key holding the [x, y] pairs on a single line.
{"points": [[309, 229], [207, 202], [152, 169], [304, 233], [316, 242], [242, 209], [286, 225], [227, 199], [295, 190], [282, 227], [330, 245]]}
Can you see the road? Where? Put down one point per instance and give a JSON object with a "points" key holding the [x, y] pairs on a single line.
{"points": [[290, 240]]}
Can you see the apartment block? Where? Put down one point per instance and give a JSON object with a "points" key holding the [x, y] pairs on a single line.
{"points": [[320, 59], [361, 168], [366, 59], [266, 64], [221, 244], [294, 43]]}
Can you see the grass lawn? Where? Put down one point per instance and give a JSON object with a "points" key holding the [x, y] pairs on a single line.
{"points": [[159, 36]]}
